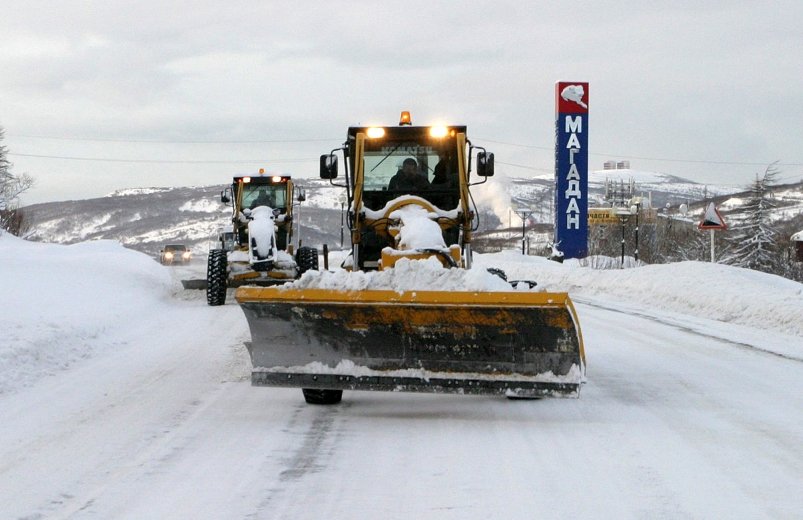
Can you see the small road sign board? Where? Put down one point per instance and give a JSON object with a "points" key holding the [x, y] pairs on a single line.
{"points": [[712, 219]]}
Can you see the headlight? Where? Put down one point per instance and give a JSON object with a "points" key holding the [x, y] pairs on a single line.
{"points": [[169, 255], [186, 255], [438, 131]]}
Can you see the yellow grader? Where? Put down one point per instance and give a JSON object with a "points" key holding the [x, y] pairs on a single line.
{"points": [[258, 250], [401, 181]]}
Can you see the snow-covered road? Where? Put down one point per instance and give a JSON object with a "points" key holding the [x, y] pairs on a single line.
{"points": [[672, 423]]}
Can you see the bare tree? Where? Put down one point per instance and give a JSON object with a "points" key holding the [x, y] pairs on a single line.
{"points": [[11, 187]]}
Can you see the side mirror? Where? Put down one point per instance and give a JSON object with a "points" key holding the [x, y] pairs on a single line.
{"points": [[302, 195], [329, 166], [225, 196], [485, 164]]}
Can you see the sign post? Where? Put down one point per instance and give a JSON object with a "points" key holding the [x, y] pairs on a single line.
{"points": [[712, 221], [571, 168]]}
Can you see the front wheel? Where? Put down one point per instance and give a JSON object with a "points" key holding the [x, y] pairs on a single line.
{"points": [[216, 277], [307, 259], [318, 396]]}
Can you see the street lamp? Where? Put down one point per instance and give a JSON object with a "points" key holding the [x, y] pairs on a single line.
{"points": [[635, 209], [523, 213]]}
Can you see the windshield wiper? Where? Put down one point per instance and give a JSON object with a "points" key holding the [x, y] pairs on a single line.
{"points": [[385, 157]]}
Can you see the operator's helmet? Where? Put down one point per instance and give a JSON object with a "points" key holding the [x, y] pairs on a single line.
{"points": [[411, 162]]}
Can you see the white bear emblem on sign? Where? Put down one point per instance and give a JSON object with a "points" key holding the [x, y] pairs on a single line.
{"points": [[575, 94]]}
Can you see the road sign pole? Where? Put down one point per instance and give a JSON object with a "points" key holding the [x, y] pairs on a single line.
{"points": [[712, 245], [712, 221]]}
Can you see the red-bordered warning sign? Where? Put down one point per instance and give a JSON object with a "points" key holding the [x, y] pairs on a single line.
{"points": [[712, 219]]}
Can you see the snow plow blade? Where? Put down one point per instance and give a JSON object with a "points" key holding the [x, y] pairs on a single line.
{"points": [[194, 284], [519, 344]]}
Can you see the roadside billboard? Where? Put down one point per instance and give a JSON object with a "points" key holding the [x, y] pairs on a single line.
{"points": [[571, 168]]}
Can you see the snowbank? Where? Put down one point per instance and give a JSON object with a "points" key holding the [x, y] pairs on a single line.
{"points": [[712, 291], [59, 302]]}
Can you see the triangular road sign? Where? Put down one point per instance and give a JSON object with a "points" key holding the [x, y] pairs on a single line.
{"points": [[712, 219]]}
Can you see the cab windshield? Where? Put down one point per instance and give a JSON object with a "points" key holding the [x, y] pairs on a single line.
{"points": [[426, 168], [272, 195]]}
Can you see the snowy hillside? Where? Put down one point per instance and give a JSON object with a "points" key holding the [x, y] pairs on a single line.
{"points": [[147, 218], [144, 218], [663, 187], [123, 396]]}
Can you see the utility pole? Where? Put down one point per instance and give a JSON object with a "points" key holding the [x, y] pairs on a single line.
{"points": [[524, 213]]}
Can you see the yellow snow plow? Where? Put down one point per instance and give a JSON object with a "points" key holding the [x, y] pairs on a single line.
{"points": [[408, 328]]}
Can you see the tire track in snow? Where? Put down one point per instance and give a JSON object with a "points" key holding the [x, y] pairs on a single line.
{"points": [[318, 427]]}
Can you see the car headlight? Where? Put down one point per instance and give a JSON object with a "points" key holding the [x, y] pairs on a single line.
{"points": [[169, 255]]}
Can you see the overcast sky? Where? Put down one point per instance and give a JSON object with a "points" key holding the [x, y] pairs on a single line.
{"points": [[99, 96]]}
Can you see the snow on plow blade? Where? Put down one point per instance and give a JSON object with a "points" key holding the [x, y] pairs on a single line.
{"points": [[521, 344]]}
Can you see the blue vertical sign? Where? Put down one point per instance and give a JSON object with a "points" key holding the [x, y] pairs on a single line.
{"points": [[571, 168]]}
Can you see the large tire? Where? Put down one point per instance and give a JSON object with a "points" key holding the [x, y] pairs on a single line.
{"points": [[216, 277], [318, 396], [307, 259]]}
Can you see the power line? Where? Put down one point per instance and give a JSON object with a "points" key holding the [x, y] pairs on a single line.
{"points": [[548, 148], [240, 161], [162, 161], [664, 159], [298, 160], [548, 170], [167, 141], [314, 140]]}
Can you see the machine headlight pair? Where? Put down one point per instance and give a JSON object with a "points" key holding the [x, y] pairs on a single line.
{"points": [[377, 132]]}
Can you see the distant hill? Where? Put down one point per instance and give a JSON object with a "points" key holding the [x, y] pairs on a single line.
{"points": [[145, 219]]}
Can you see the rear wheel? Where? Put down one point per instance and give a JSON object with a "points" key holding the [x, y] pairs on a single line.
{"points": [[307, 259], [318, 396], [216, 277]]}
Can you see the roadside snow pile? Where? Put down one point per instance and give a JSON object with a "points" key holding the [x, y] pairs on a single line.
{"points": [[59, 302], [701, 289], [407, 275]]}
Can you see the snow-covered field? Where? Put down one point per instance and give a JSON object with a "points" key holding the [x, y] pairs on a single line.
{"points": [[122, 396]]}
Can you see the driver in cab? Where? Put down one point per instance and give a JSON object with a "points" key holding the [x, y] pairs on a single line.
{"points": [[263, 199], [408, 178]]}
